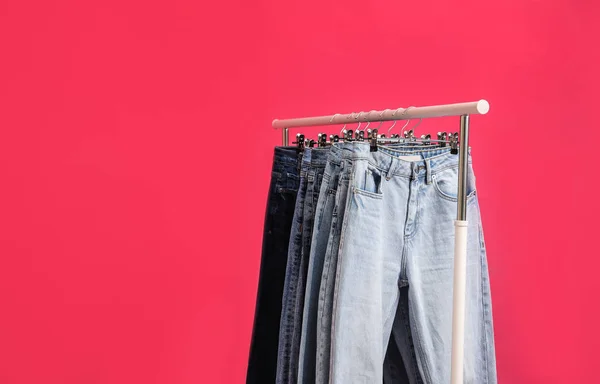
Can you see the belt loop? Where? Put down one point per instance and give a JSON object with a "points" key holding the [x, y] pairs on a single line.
{"points": [[427, 171], [392, 169]]}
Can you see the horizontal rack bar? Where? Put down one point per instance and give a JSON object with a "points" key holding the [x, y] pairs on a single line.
{"points": [[480, 107]]}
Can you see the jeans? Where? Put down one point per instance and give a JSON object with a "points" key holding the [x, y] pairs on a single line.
{"points": [[350, 151], [285, 177], [327, 254], [397, 238], [311, 174], [320, 236]]}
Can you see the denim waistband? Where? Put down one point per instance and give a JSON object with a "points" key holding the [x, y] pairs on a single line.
{"points": [[393, 162], [286, 159], [356, 150], [314, 157], [334, 155], [352, 150]]}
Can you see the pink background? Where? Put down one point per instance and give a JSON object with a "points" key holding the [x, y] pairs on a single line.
{"points": [[135, 149]]}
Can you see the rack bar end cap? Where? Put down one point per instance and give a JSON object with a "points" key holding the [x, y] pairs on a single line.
{"points": [[483, 107]]}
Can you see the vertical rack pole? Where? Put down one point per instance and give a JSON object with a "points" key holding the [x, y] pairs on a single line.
{"points": [[285, 136], [460, 257], [463, 167]]}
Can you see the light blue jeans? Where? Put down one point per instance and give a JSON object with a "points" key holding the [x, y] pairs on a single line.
{"points": [[315, 352], [398, 236], [350, 151]]}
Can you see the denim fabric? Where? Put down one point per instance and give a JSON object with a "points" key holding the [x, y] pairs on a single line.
{"points": [[398, 232], [400, 364], [291, 317], [285, 178], [396, 371], [286, 326], [322, 225], [350, 151], [318, 161]]}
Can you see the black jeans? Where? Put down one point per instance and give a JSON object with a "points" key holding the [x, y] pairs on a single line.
{"points": [[262, 363]]}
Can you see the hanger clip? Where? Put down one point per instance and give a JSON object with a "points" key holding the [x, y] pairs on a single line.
{"points": [[348, 135], [372, 134], [299, 142], [360, 135], [454, 143], [311, 143], [426, 139], [321, 139], [334, 138], [442, 138]]}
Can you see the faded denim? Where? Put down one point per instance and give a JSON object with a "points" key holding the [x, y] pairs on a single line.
{"points": [[350, 151], [397, 238], [320, 236], [318, 162], [312, 168]]}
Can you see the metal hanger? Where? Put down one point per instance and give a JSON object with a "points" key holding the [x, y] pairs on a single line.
{"points": [[347, 134], [395, 121], [359, 135], [373, 132], [405, 125], [300, 142], [334, 138], [321, 140]]}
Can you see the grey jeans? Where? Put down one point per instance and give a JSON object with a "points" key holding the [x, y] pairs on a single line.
{"points": [[311, 173], [320, 236]]}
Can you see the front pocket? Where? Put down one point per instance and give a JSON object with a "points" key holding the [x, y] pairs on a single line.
{"points": [[370, 184], [446, 184]]}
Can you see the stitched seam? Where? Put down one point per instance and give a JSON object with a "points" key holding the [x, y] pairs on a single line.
{"points": [[323, 288], [445, 196], [413, 354], [337, 278], [483, 305], [416, 219], [424, 363], [367, 193], [326, 272]]}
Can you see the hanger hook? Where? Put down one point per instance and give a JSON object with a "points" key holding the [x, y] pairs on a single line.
{"points": [[419, 123], [344, 127], [359, 123], [405, 125], [333, 118], [395, 121], [368, 122], [381, 117]]}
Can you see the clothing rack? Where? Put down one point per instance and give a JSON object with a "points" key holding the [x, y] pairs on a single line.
{"points": [[463, 110]]}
